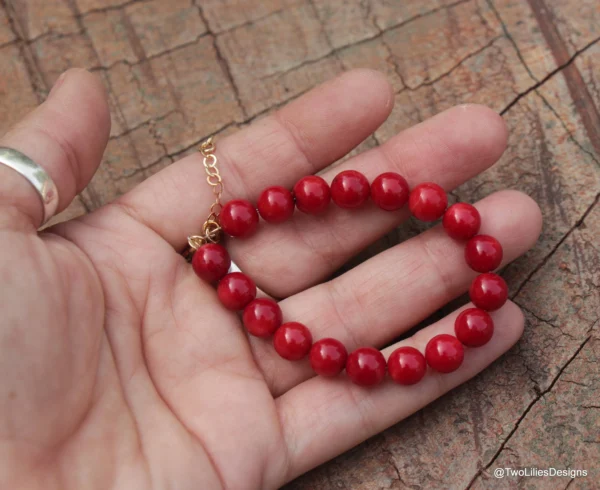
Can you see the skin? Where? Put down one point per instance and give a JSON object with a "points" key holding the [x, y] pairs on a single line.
{"points": [[120, 369]]}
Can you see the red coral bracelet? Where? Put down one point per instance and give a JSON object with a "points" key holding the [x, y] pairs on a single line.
{"points": [[365, 366]]}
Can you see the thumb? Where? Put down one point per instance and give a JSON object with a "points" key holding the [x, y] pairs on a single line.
{"points": [[66, 135]]}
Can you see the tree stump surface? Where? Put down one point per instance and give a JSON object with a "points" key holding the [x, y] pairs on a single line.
{"points": [[179, 71]]}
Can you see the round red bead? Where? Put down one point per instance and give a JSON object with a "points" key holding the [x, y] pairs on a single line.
{"points": [[407, 365], [390, 191], [444, 353], [474, 327], [366, 366], [488, 291], [211, 262], [276, 204], [312, 194], [483, 253], [236, 290], [328, 357], [292, 341], [461, 221], [239, 218], [262, 317], [350, 189], [427, 201]]}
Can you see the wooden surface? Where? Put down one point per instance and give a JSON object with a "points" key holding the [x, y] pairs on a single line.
{"points": [[178, 71]]}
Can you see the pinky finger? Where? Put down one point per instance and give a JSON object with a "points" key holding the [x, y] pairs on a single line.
{"points": [[323, 417]]}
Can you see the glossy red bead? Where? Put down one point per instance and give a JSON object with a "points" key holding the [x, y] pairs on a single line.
{"points": [[236, 290], [427, 201], [390, 191], [328, 357], [276, 204], [474, 327], [262, 317], [211, 262], [350, 189], [239, 218], [292, 341], [444, 353], [461, 221], [488, 291], [312, 195], [366, 366], [483, 253], [407, 365]]}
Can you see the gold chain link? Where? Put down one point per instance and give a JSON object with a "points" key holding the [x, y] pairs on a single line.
{"points": [[211, 230]]}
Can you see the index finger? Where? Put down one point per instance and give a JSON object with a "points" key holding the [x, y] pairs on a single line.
{"points": [[300, 139]]}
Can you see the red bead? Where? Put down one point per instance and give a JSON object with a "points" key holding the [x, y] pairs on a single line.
{"points": [[390, 191], [292, 341], [328, 357], [444, 353], [483, 253], [407, 365], [236, 290], [488, 291], [474, 327], [262, 317], [366, 366], [276, 204], [350, 189], [239, 218], [427, 201], [461, 221], [211, 262], [312, 195]]}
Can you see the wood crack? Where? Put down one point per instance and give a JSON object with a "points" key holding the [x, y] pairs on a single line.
{"points": [[458, 65], [571, 136], [34, 72], [526, 412], [167, 52], [510, 38], [577, 224], [336, 51], [584, 103], [558, 69], [223, 62]]}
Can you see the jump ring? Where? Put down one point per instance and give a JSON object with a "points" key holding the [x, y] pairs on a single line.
{"points": [[212, 158]]}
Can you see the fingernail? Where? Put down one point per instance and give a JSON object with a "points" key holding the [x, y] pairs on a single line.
{"points": [[57, 84]]}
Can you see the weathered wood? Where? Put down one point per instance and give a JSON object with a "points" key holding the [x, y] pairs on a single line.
{"points": [[177, 72]]}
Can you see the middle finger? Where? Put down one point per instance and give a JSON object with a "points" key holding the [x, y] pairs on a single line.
{"points": [[448, 149]]}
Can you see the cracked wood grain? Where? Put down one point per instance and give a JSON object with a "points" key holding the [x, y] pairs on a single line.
{"points": [[559, 411], [224, 64], [524, 415], [584, 103], [166, 52], [500, 57], [33, 70], [550, 75]]}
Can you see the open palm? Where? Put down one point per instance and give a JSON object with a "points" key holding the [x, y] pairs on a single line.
{"points": [[118, 366]]}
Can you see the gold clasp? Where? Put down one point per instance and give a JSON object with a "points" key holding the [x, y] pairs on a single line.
{"points": [[211, 229]]}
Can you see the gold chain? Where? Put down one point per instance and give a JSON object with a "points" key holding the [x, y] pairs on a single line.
{"points": [[211, 230]]}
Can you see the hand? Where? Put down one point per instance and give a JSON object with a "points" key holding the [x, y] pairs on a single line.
{"points": [[118, 366]]}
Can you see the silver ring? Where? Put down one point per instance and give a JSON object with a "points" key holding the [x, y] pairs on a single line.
{"points": [[37, 177]]}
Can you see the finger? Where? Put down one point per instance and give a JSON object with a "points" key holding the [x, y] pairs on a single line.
{"points": [[66, 135], [448, 149], [325, 417], [300, 139], [387, 295]]}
